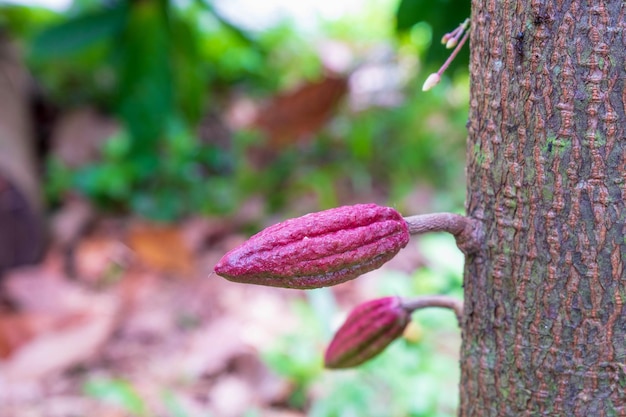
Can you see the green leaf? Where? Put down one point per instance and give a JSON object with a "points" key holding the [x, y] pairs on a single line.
{"points": [[174, 406], [441, 14], [191, 73], [240, 33], [78, 33], [116, 148], [118, 392], [145, 90], [23, 21]]}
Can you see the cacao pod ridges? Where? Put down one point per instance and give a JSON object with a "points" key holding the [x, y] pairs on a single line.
{"points": [[319, 249], [367, 331]]}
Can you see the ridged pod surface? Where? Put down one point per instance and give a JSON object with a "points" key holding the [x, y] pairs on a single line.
{"points": [[367, 331], [319, 249]]}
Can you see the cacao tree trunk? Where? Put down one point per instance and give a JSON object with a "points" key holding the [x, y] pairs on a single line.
{"points": [[544, 331]]}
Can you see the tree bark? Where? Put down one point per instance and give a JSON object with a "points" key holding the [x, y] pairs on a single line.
{"points": [[21, 226], [544, 330], [17, 156]]}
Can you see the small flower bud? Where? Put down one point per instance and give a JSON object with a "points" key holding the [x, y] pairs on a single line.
{"points": [[432, 80]]}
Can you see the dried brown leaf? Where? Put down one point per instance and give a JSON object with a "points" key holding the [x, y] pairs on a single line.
{"points": [[161, 248], [75, 338], [301, 112]]}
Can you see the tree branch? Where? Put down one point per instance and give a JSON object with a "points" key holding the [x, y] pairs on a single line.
{"points": [[466, 231], [443, 301]]}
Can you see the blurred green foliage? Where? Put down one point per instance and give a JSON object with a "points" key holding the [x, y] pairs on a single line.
{"points": [[117, 392], [161, 66], [442, 16], [123, 395]]}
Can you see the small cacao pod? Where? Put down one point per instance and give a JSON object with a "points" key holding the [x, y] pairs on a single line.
{"points": [[319, 249], [367, 331]]}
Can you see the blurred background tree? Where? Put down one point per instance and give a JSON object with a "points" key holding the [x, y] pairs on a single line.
{"points": [[165, 110], [198, 131]]}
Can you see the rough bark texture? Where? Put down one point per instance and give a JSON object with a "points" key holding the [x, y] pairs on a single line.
{"points": [[544, 331]]}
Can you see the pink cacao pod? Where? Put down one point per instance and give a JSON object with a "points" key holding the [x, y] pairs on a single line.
{"points": [[319, 249], [367, 331]]}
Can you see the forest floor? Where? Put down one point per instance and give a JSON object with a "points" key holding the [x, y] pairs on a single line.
{"points": [[129, 319]]}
